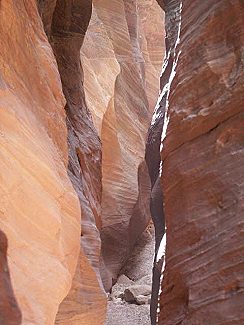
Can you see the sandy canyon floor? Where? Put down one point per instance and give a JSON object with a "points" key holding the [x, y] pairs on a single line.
{"points": [[137, 271]]}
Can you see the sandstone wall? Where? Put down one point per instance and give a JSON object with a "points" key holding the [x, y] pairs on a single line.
{"points": [[39, 209], [122, 56], [153, 143], [203, 156]]}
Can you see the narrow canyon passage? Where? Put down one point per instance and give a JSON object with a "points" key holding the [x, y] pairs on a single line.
{"points": [[122, 56], [119, 71], [120, 120], [129, 300], [82, 110]]}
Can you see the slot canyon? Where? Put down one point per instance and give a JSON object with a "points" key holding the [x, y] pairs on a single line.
{"points": [[121, 162]]}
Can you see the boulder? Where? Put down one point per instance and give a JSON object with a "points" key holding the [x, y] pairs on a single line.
{"points": [[119, 288], [133, 292], [142, 300]]}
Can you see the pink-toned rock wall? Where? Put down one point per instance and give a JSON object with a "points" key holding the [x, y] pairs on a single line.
{"points": [[203, 157], [40, 213], [39, 208], [122, 56]]}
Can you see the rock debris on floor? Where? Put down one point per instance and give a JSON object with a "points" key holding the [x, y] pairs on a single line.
{"points": [[129, 301]]}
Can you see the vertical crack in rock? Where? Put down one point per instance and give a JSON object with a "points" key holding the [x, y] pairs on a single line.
{"points": [[137, 65], [153, 159]]}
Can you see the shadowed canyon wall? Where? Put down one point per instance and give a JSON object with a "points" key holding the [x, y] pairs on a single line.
{"points": [[153, 144], [203, 156], [9, 310], [69, 24]]}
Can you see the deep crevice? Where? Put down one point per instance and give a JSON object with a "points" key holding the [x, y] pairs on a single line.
{"points": [[66, 28], [153, 158], [66, 35]]}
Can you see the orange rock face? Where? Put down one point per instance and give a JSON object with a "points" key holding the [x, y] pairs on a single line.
{"points": [[203, 157], [39, 209], [51, 165], [72, 171], [38, 203], [121, 57]]}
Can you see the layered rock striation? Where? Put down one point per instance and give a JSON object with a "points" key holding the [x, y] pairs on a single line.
{"points": [[70, 215], [202, 162], [52, 170], [153, 144], [121, 57], [41, 179], [39, 208]]}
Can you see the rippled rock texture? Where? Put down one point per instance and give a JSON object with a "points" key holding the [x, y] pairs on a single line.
{"points": [[203, 157], [122, 57], [52, 170], [39, 207]]}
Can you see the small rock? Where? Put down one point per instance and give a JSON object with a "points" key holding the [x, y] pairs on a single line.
{"points": [[132, 292], [122, 283], [118, 301], [142, 300]]}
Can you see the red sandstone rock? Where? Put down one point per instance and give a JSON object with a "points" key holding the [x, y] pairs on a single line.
{"points": [[121, 57], [39, 208], [69, 25], [203, 159]]}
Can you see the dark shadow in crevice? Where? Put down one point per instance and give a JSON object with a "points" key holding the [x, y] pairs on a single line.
{"points": [[10, 313], [153, 158]]}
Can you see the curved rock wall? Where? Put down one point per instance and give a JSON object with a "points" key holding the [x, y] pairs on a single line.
{"points": [[153, 143], [202, 172], [121, 56], [43, 109], [52, 171], [69, 24], [39, 209]]}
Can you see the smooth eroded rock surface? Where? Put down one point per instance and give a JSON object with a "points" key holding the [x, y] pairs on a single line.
{"points": [[69, 24], [121, 57], [40, 212]]}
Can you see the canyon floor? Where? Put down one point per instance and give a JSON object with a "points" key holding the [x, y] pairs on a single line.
{"points": [[137, 271]]}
